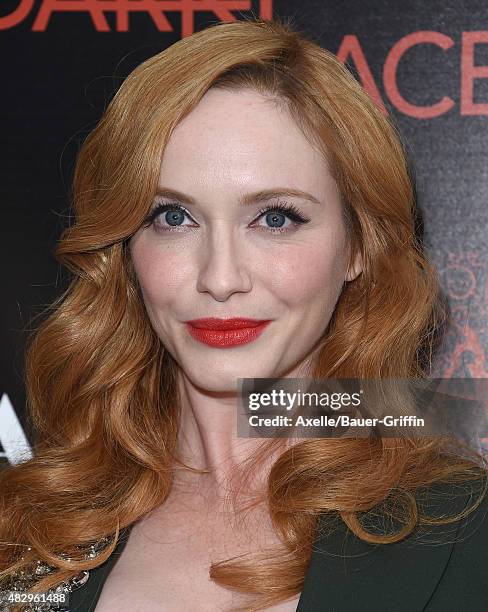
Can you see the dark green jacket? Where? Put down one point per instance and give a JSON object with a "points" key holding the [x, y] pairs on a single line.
{"points": [[435, 569]]}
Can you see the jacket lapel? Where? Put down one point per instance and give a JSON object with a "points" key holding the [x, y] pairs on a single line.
{"points": [[346, 574]]}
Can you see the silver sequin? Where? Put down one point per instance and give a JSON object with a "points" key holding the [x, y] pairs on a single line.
{"points": [[25, 579]]}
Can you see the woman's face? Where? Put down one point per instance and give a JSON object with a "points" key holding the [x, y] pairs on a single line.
{"points": [[221, 257]]}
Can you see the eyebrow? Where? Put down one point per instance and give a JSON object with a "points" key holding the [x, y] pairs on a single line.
{"points": [[249, 198]]}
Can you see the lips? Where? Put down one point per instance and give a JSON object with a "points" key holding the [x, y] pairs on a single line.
{"points": [[225, 333], [225, 324]]}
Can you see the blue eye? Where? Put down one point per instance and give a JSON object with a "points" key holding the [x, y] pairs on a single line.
{"points": [[174, 216], [275, 215]]}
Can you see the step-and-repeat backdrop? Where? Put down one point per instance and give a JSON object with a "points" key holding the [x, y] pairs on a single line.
{"points": [[425, 63]]}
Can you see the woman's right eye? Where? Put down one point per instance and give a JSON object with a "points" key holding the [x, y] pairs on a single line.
{"points": [[171, 214]]}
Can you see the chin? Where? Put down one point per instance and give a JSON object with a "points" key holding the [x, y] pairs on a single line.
{"points": [[224, 379]]}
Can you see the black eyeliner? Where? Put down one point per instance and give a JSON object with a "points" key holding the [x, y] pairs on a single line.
{"points": [[284, 208], [160, 208], [288, 210]]}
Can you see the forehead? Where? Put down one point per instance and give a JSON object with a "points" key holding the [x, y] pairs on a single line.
{"points": [[241, 138]]}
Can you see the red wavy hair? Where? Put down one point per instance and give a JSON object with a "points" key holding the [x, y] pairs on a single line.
{"points": [[100, 385]]}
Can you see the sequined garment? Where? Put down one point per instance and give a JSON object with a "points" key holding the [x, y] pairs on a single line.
{"points": [[25, 579]]}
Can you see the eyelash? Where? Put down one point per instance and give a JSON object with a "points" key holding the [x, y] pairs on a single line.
{"points": [[289, 210]]}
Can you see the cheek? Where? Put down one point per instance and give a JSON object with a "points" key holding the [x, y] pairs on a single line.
{"points": [[308, 272], [161, 274]]}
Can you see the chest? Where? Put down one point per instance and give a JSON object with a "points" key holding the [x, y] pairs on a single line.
{"points": [[165, 564]]}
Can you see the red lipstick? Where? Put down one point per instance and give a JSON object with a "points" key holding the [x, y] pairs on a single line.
{"points": [[224, 333]]}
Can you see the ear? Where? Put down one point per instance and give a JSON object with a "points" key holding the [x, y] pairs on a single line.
{"points": [[356, 269]]}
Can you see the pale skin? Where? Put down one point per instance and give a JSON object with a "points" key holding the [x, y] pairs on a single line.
{"points": [[224, 260]]}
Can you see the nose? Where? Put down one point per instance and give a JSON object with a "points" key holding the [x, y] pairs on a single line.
{"points": [[223, 267]]}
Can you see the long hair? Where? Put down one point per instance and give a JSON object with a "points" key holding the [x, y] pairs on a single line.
{"points": [[101, 387]]}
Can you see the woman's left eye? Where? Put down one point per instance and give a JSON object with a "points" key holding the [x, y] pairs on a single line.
{"points": [[274, 215]]}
